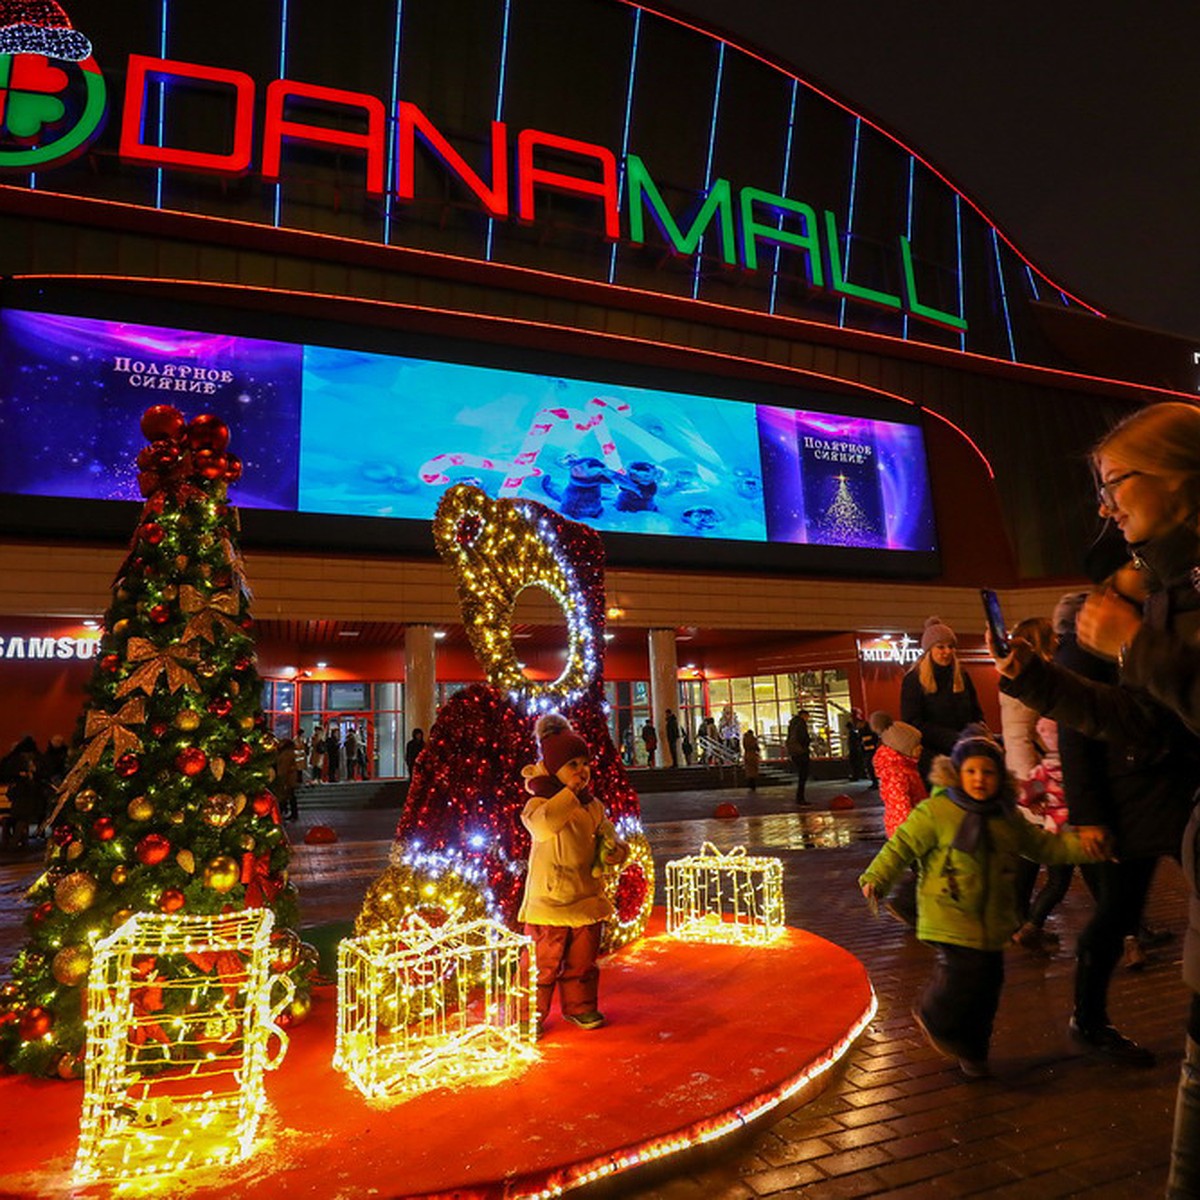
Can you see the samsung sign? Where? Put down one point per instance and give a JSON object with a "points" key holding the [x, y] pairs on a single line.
{"points": [[53, 107]]}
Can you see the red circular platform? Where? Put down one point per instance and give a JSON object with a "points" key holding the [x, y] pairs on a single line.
{"points": [[701, 1039]]}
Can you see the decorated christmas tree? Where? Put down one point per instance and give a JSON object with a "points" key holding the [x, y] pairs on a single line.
{"points": [[460, 847], [166, 806]]}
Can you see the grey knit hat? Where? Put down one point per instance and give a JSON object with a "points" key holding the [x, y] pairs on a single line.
{"points": [[936, 632], [903, 738]]}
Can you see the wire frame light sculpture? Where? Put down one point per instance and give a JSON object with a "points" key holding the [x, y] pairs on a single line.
{"points": [[422, 1007], [733, 898], [181, 1028]]}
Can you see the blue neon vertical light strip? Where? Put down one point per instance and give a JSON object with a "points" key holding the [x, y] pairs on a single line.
{"points": [[783, 188], [850, 217], [1012, 350], [962, 333], [502, 75], [708, 165], [390, 198], [1033, 283], [908, 221], [162, 99], [633, 55], [283, 34]]}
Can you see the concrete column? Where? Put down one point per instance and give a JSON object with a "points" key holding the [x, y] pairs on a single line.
{"points": [[664, 688], [420, 677]]}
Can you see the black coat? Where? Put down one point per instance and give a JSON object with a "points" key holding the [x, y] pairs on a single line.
{"points": [[1159, 682], [940, 715]]}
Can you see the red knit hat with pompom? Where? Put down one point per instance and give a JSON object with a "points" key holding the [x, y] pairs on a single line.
{"points": [[559, 742]]}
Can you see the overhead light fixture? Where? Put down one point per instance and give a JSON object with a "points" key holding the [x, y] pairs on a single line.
{"points": [[615, 613], [349, 632], [608, 637], [289, 670], [91, 624], [438, 634], [321, 666]]}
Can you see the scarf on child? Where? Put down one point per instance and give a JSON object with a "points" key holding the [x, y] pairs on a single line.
{"points": [[973, 830]]}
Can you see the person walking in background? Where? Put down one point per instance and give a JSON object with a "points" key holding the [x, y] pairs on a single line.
{"points": [[799, 748], [673, 737], [751, 759], [333, 753], [650, 741], [689, 750], [350, 748], [287, 779], [729, 730], [316, 755], [302, 750], [412, 751], [901, 789], [937, 695]]}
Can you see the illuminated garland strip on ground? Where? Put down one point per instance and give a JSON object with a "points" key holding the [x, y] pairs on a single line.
{"points": [[701, 1132]]}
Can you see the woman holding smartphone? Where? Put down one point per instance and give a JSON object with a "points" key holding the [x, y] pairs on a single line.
{"points": [[1148, 484]]}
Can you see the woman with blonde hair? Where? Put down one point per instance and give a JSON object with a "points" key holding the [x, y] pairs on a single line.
{"points": [[937, 695], [1148, 485]]}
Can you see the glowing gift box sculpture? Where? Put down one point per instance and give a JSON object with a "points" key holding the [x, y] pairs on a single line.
{"points": [[422, 1007], [181, 1014], [715, 897]]}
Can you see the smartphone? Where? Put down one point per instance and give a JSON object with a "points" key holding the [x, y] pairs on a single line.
{"points": [[995, 620]]}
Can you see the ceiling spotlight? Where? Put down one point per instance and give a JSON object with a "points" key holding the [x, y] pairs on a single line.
{"points": [[439, 634], [321, 666]]}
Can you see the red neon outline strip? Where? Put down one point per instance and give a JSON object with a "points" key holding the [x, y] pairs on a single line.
{"points": [[790, 74], [393, 306], [952, 354]]}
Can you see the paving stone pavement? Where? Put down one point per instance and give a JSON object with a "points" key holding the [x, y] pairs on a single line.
{"points": [[895, 1120]]}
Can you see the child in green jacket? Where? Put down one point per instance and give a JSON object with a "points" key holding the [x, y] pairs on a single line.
{"points": [[966, 840]]}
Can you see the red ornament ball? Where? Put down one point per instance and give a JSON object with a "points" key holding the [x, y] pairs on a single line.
{"points": [[726, 812], [162, 421], [241, 754], [208, 432], [160, 614], [632, 888], [42, 911], [34, 1024], [153, 533], [171, 900], [159, 728], [320, 835], [104, 829], [262, 804], [221, 706], [209, 463], [127, 765], [152, 849], [233, 468], [63, 835], [191, 761], [242, 664], [110, 662]]}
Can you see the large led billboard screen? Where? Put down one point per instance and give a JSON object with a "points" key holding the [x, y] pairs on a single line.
{"points": [[362, 434]]}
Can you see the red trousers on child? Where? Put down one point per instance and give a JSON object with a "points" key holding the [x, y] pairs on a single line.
{"points": [[566, 958]]}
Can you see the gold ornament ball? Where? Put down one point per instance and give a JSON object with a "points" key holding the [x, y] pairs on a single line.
{"points": [[70, 965], [177, 817], [120, 875], [86, 799], [219, 810], [234, 687], [246, 841], [121, 628], [120, 917], [170, 592], [75, 850], [246, 722], [140, 809], [187, 719], [76, 892], [181, 562], [206, 670], [187, 860], [222, 874]]}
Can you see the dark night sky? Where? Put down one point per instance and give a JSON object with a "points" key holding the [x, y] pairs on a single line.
{"points": [[1076, 127]]}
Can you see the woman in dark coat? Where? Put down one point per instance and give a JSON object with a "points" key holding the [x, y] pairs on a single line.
{"points": [[1148, 481], [937, 695]]}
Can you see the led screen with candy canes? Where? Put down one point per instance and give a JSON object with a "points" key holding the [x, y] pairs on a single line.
{"points": [[354, 433]]}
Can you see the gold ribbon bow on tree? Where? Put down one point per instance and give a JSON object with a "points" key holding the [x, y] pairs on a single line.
{"points": [[172, 660], [237, 566], [100, 730], [207, 613]]}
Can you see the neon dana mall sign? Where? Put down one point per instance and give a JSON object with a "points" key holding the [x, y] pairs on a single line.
{"points": [[744, 222]]}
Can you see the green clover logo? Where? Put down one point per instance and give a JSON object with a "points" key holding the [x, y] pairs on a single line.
{"points": [[36, 128]]}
